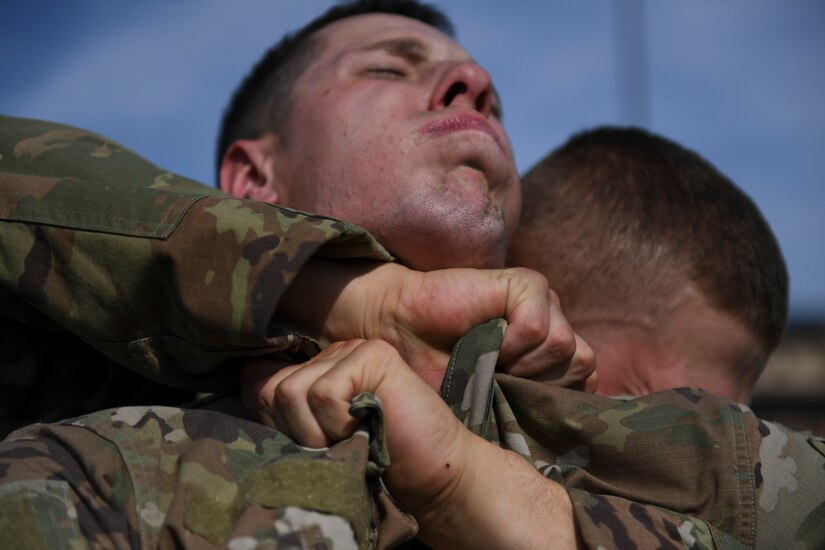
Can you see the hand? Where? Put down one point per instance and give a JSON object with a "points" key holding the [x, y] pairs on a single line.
{"points": [[423, 315], [440, 471]]}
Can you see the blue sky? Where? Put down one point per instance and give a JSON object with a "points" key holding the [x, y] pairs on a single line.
{"points": [[742, 82]]}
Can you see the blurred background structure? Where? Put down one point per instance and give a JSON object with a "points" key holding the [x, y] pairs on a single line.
{"points": [[792, 389], [742, 82]]}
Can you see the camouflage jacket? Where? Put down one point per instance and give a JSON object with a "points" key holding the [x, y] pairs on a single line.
{"points": [[122, 257], [108, 259], [678, 469]]}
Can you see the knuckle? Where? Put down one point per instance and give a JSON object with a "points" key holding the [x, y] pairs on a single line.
{"points": [[585, 355], [354, 343], [341, 346], [534, 329], [319, 397], [562, 342], [529, 276], [287, 392], [379, 349]]}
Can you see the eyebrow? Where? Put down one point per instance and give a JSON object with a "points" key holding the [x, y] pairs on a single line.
{"points": [[411, 49]]}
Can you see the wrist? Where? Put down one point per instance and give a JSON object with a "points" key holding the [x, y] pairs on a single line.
{"points": [[365, 305], [338, 299]]}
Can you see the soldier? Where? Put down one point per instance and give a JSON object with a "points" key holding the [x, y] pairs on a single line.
{"points": [[208, 476], [448, 133], [666, 268]]}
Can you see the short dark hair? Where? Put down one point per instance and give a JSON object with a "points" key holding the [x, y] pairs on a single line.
{"points": [[262, 101], [620, 212]]}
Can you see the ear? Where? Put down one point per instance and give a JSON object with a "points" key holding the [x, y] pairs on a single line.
{"points": [[247, 171]]}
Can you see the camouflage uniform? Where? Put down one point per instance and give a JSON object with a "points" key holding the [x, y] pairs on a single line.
{"points": [[104, 255], [674, 469], [680, 469]]}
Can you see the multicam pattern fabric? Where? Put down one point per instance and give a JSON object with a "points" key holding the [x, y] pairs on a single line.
{"points": [[140, 279], [679, 469], [162, 477], [675, 469], [106, 258]]}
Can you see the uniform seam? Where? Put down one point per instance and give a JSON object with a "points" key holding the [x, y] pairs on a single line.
{"points": [[451, 368], [748, 496]]}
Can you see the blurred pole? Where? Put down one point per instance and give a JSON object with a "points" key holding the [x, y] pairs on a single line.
{"points": [[631, 62]]}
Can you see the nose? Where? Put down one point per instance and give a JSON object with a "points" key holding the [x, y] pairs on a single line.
{"points": [[464, 85]]}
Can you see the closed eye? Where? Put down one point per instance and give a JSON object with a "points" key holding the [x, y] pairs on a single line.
{"points": [[386, 71]]}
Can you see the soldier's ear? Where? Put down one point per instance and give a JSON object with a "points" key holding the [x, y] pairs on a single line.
{"points": [[247, 171]]}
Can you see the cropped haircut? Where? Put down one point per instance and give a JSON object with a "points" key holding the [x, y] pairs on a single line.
{"points": [[621, 218], [262, 102]]}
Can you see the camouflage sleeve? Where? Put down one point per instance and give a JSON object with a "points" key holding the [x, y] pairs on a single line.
{"points": [[160, 273], [790, 486], [474, 392], [608, 521], [787, 511], [163, 477], [680, 465]]}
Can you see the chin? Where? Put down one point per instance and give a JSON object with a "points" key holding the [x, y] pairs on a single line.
{"points": [[440, 238], [441, 257]]}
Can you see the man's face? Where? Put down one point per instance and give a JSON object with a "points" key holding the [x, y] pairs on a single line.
{"points": [[394, 128], [694, 344]]}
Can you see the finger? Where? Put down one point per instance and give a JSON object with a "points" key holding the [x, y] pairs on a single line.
{"points": [[362, 370], [258, 378], [528, 312], [577, 373], [290, 410], [585, 362], [413, 413], [591, 385], [555, 349]]}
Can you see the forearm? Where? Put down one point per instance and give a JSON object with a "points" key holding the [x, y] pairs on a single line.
{"points": [[208, 277], [339, 300], [502, 502], [161, 273]]}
